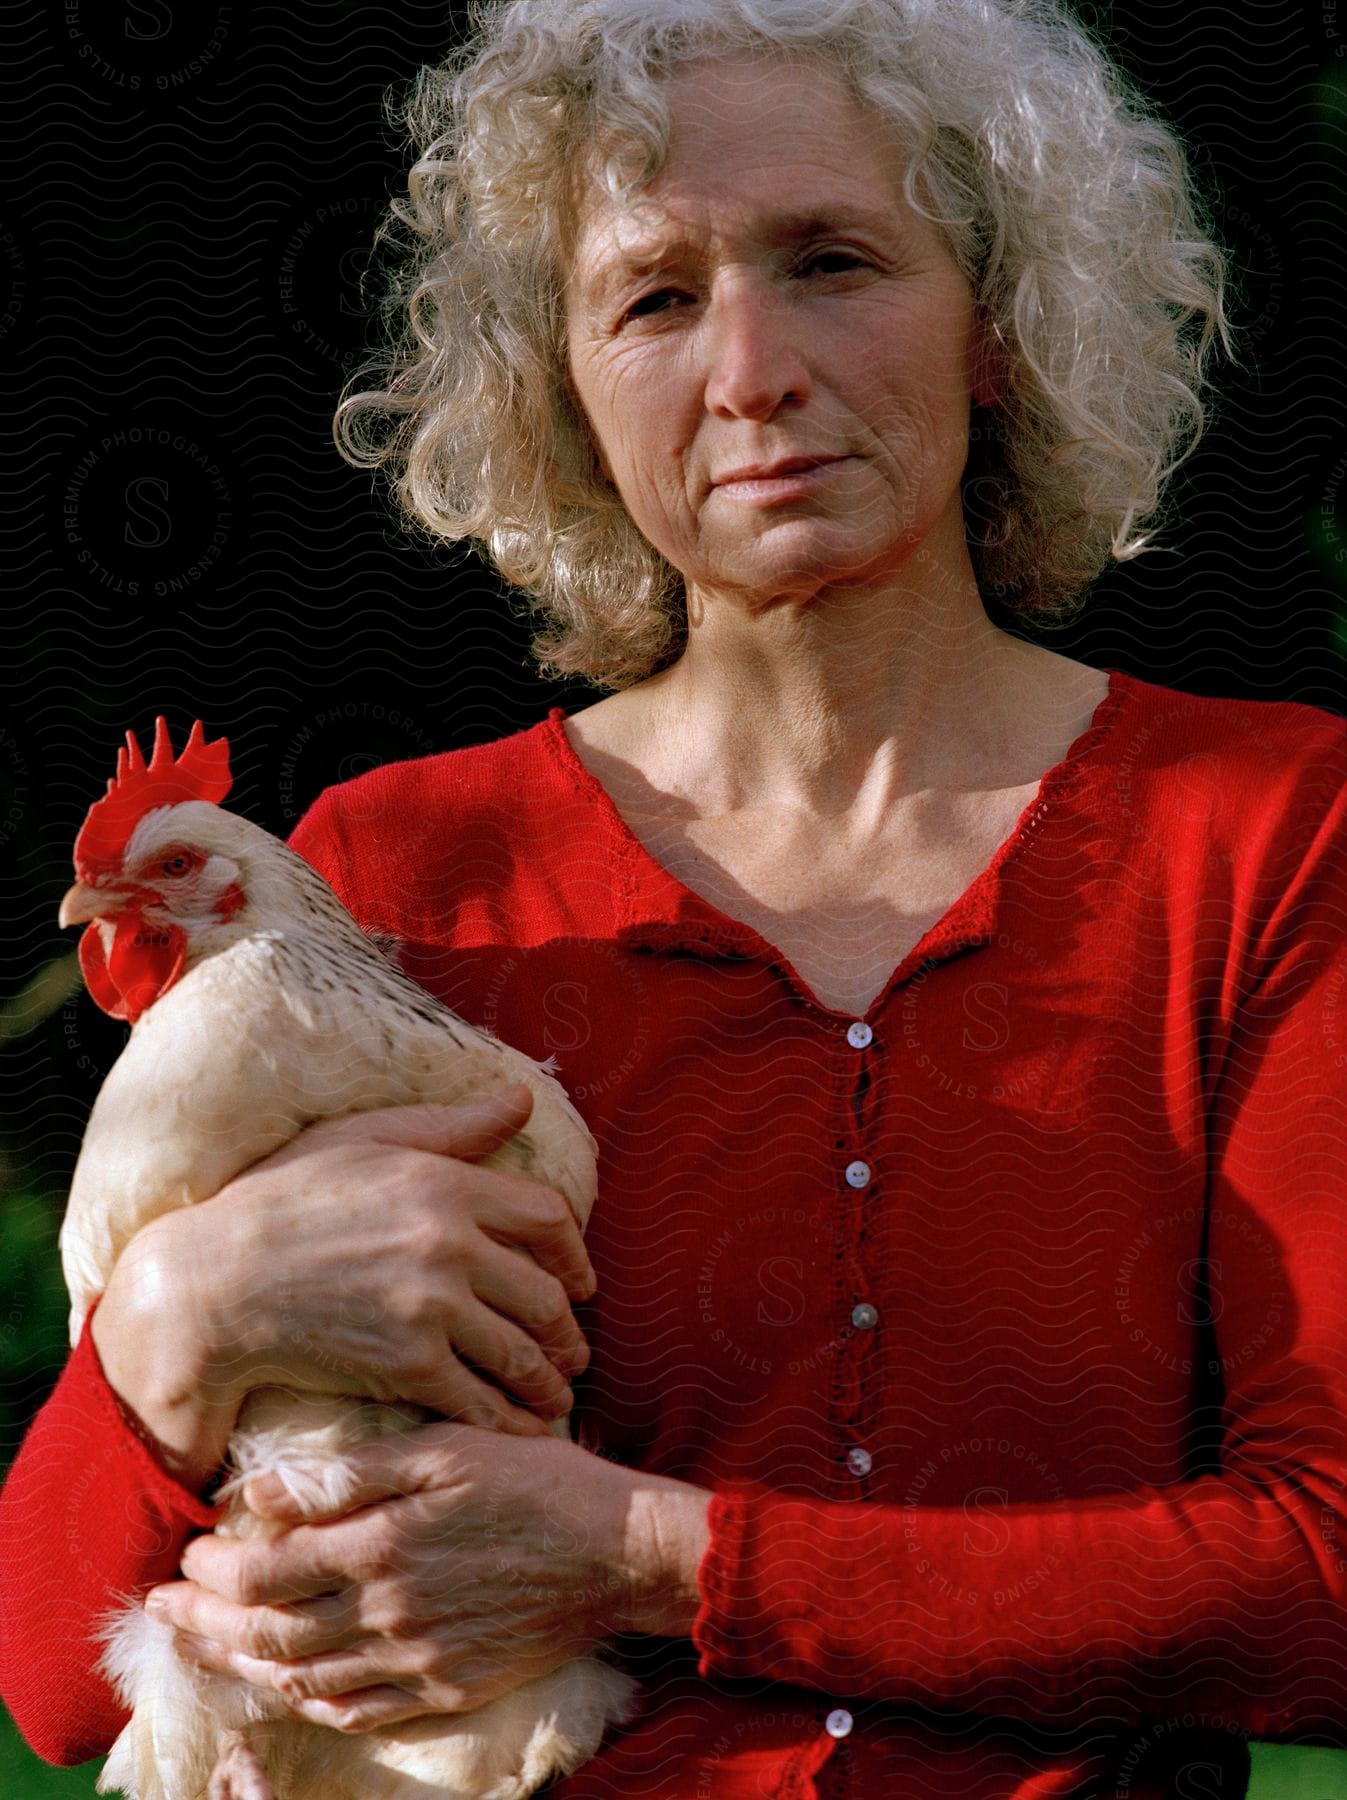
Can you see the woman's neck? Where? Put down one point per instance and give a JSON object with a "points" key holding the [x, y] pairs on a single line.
{"points": [[774, 718]]}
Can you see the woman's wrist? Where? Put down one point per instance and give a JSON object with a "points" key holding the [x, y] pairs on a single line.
{"points": [[158, 1359], [667, 1535]]}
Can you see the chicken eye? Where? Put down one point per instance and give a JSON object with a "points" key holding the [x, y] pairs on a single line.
{"points": [[176, 865]]}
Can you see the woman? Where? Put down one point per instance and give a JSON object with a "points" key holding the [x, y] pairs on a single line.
{"points": [[962, 1027]]}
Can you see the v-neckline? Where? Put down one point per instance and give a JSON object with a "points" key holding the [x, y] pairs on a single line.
{"points": [[658, 909]]}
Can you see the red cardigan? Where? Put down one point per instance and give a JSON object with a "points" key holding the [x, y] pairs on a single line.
{"points": [[1008, 1324]]}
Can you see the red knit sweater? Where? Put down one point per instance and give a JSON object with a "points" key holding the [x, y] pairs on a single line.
{"points": [[1008, 1324]]}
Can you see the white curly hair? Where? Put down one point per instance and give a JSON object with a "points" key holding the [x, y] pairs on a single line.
{"points": [[1067, 203]]}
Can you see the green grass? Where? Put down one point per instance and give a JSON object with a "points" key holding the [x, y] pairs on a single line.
{"points": [[23, 1777], [1296, 1772]]}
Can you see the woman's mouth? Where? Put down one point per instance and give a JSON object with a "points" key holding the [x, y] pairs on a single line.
{"points": [[788, 478]]}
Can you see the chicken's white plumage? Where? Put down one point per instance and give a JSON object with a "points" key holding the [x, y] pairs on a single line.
{"points": [[288, 1013]]}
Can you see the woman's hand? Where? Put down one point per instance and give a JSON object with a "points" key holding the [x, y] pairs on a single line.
{"points": [[496, 1560], [368, 1256]]}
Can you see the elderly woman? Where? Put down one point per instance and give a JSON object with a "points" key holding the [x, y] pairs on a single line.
{"points": [[964, 1029]]}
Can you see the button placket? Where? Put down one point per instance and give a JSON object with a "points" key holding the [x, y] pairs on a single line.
{"points": [[853, 1459]]}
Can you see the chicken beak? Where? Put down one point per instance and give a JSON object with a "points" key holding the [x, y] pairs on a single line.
{"points": [[84, 903]]}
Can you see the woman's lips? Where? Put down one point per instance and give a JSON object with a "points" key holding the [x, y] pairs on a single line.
{"points": [[787, 479]]}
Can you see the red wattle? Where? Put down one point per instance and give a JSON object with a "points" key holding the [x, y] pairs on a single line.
{"points": [[146, 960]]}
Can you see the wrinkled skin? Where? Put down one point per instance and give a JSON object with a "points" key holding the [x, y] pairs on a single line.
{"points": [[490, 1561]]}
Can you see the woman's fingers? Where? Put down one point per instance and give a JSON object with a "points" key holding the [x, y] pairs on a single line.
{"points": [[311, 1678], [510, 1281], [238, 1773], [458, 1392], [539, 1219], [511, 1358], [342, 1692], [267, 1632], [367, 1709], [464, 1128], [302, 1564]]}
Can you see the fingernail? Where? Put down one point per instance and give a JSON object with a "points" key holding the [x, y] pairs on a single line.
{"points": [[156, 1602]]}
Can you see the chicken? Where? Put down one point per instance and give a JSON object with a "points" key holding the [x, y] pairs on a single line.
{"points": [[258, 1005]]}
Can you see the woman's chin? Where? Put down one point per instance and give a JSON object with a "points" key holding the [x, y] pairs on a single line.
{"points": [[802, 567]]}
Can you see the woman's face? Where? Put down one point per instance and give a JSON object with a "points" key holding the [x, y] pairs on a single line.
{"points": [[774, 351]]}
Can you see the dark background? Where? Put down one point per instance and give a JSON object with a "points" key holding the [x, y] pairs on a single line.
{"points": [[190, 196]]}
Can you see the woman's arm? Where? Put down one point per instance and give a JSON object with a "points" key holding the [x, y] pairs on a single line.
{"points": [[88, 1511]]}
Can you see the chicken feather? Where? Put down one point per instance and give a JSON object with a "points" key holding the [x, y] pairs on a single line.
{"points": [[281, 1011]]}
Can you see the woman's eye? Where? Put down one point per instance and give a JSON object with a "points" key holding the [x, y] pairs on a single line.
{"points": [[833, 262], [660, 300]]}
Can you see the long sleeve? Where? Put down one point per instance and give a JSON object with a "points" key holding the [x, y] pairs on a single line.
{"points": [[1224, 1594], [87, 1516]]}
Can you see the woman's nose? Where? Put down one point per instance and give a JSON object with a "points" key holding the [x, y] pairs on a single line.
{"points": [[754, 360]]}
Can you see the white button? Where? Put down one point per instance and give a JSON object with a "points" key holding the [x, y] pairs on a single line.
{"points": [[858, 1173], [859, 1035], [838, 1723], [859, 1461], [864, 1317]]}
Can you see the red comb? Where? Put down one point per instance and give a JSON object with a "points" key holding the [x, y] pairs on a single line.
{"points": [[200, 773]]}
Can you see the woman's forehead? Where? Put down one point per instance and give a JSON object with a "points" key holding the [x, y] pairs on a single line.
{"points": [[614, 241], [763, 147]]}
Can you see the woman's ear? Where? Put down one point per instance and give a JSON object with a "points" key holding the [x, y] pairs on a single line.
{"points": [[988, 375]]}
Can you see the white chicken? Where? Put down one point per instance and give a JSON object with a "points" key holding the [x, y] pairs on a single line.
{"points": [[257, 1006]]}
